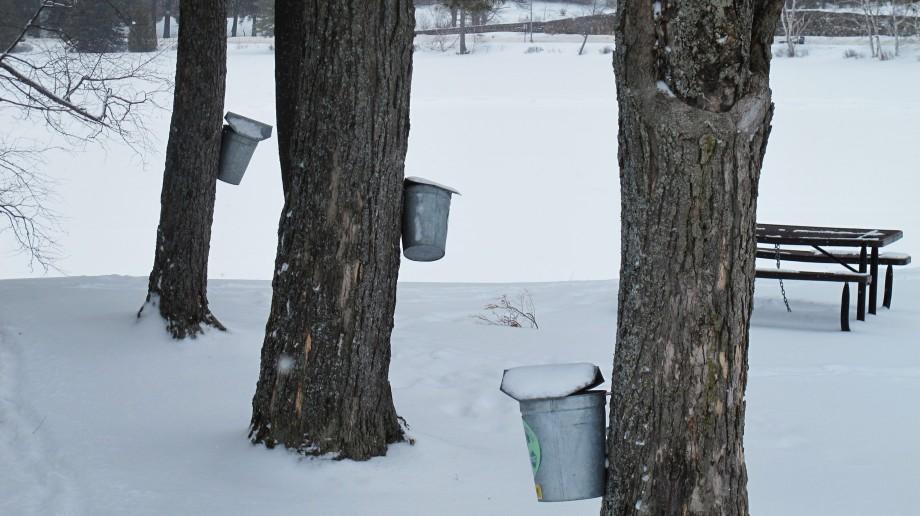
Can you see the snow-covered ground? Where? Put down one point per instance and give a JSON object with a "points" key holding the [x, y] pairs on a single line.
{"points": [[102, 415]]}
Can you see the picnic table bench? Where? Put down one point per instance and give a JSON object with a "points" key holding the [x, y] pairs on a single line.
{"points": [[867, 258]]}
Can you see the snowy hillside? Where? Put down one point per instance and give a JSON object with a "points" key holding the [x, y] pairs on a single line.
{"points": [[101, 415]]}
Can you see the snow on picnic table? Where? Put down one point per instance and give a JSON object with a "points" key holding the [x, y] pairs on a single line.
{"points": [[103, 415]]}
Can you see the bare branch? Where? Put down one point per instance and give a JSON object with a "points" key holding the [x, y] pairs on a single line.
{"points": [[506, 312]]}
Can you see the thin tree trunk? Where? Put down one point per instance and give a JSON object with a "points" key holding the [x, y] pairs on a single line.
{"points": [[788, 21], [323, 386], [167, 19], [694, 123], [453, 16], [463, 32], [178, 282], [236, 20], [895, 30]]}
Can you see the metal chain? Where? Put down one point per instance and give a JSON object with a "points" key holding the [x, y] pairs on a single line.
{"points": [[782, 288]]}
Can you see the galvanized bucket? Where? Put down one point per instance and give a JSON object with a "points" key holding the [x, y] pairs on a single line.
{"points": [[426, 208], [567, 445], [238, 143]]}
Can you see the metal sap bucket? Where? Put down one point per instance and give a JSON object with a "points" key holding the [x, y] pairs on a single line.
{"points": [[426, 208], [238, 143], [567, 444]]}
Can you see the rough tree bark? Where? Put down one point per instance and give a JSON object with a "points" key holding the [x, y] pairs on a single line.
{"points": [[290, 40], [323, 386], [694, 118], [178, 282]]}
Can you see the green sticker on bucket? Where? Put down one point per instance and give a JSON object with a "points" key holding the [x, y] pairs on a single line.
{"points": [[533, 447]]}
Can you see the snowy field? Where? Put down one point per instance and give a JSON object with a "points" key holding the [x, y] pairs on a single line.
{"points": [[530, 140], [101, 415]]}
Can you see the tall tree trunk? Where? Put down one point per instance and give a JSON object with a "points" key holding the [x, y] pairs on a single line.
{"points": [[290, 40], [693, 129], [178, 282], [236, 19], [323, 385], [453, 16]]}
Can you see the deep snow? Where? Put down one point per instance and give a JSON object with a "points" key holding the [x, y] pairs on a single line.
{"points": [[102, 415]]}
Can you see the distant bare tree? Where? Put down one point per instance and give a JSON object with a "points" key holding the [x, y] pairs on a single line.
{"points": [[23, 192], [78, 96], [479, 12], [901, 10], [872, 14], [597, 7], [794, 21]]}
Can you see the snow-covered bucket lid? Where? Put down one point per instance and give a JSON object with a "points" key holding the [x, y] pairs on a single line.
{"points": [[550, 380], [248, 127], [424, 181]]}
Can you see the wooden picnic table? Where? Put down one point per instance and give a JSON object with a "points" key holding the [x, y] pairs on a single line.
{"points": [[868, 241]]}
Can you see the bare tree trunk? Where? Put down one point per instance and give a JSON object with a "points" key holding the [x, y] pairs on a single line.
{"points": [[694, 123], [895, 29], [531, 21], [870, 28], [463, 49], [178, 282], [323, 386], [788, 21], [290, 40], [167, 19], [453, 16]]}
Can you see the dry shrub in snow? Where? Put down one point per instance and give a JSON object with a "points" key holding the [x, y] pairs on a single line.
{"points": [[779, 51], [852, 54], [513, 313], [533, 50]]}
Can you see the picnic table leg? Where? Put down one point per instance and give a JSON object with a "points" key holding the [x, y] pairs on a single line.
{"points": [[861, 289], [845, 308], [873, 288], [889, 285]]}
